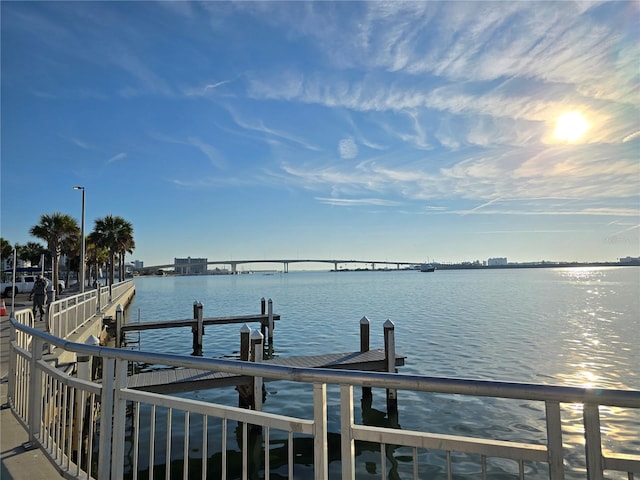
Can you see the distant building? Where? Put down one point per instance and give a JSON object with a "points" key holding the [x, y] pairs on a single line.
{"points": [[190, 266], [497, 261], [137, 264], [630, 260]]}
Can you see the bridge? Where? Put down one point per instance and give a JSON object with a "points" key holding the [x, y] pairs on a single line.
{"points": [[285, 263]]}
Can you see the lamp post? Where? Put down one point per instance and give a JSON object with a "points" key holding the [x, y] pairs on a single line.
{"points": [[82, 245]]}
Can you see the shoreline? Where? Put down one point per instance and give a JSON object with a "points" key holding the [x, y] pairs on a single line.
{"points": [[474, 266]]}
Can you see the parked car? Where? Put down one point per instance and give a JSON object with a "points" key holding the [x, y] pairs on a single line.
{"points": [[24, 284]]}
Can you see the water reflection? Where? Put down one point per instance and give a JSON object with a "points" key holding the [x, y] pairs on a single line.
{"points": [[555, 326]]}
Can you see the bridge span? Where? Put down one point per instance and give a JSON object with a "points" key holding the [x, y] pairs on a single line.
{"points": [[192, 266]]}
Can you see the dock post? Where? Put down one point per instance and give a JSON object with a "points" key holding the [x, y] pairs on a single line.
{"points": [[198, 331], [194, 327], [263, 311], [119, 318], [364, 347], [244, 394], [390, 360], [245, 334], [271, 325], [256, 356]]}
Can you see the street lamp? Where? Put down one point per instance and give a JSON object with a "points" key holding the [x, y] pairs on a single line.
{"points": [[82, 246]]}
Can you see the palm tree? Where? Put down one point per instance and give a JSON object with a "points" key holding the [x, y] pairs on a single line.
{"points": [[115, 234], [5, 249], [126, 246], [71, 248], [95, 254], [6, 253], [55, 229], [32, 252]]}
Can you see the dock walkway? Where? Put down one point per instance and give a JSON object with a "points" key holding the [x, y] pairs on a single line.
{"points": [[190, 379]]}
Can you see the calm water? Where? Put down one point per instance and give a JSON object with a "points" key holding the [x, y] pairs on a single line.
{"points": [[552, 326]]}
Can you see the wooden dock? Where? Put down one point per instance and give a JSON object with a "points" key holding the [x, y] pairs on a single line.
{"points": [[190, 379], [266, 318], [252, 346]]}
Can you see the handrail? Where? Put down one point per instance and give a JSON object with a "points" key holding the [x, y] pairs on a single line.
{"points": [[57, 408], [481, 388], [68, 314]]}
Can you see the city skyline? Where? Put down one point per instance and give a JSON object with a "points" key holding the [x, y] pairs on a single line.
{"points": [[441, 131]]}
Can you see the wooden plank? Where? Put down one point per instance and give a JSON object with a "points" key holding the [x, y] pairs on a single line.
{"points": [[130, 327], [190, 379]]}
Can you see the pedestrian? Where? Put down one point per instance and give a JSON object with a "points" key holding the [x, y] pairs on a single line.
{"points": [[39, 294]]}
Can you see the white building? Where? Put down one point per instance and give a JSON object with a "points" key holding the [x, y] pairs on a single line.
{"points": [[190, 266], [497, 261]]}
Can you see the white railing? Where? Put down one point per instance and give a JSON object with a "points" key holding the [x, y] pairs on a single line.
{"points": [[60, 413], [67, 315]]}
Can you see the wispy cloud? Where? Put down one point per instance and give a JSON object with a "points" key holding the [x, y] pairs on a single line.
{"points": [[486, 204], [81, 144], [204, 91], [635, 227], [117, 157], [607, 212], [259, 127], [213, 154], [208, 182], [358, 202], [631, 136]]}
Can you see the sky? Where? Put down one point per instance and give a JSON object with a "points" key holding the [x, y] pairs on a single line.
{"points": [[439, 131]]}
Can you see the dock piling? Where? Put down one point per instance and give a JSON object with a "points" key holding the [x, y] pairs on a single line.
{"points": [[390, 359], [365, 326], [245, 334], [197, 329], [263, 311], [271, 323], [257, 344], [119, 320]]}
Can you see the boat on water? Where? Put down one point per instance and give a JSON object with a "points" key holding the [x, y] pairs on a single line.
{"points": [[427, 267]]}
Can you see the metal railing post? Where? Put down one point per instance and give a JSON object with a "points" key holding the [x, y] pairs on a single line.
{"points": [[592, 441], [119, 420], [13, 360], [554, 440], [35, 389], [347, 444], [320, 444], [106, 414], [98, 297]]}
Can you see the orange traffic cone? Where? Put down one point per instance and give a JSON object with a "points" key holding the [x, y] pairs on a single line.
{"points": [[3, 310]]}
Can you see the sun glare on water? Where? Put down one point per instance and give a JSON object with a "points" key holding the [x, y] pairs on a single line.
{"points": [[571, 126]]}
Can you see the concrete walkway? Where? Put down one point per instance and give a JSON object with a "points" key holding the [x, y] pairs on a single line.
{"points": [[17, 463]]}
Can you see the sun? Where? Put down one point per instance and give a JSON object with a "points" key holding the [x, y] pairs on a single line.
{"points": [[571, 126]]}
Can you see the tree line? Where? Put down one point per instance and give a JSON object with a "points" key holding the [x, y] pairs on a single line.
{"points": [[110, 240]]}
